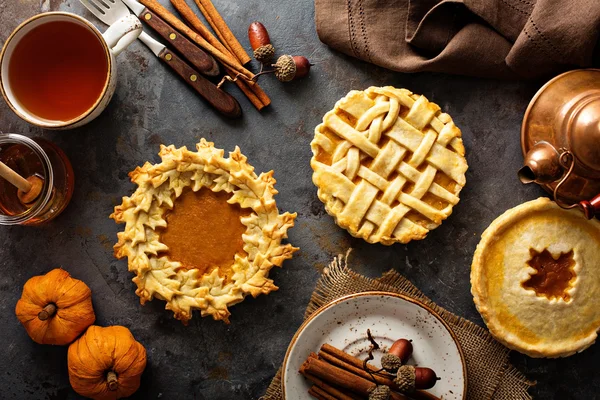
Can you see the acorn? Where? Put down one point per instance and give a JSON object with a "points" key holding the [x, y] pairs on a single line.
{"points": [[288, 68], [260, 42], [405, 379], [380, 392], [409, 378], [425, 378], [391, 362], [402, 348]]}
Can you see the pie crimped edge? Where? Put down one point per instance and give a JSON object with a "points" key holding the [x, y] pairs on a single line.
{"points": [[580, 291], [423, 135], [158, 187]]}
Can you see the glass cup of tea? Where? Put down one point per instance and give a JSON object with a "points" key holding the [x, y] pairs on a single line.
{"points": [[47, 163], [57, 71]]}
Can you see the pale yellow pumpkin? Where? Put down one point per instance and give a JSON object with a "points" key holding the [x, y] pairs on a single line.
{"points": [[55, 308], [106, 363]]}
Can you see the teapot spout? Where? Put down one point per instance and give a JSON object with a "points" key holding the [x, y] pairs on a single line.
{"points": [[541, 164], [526, 175]]}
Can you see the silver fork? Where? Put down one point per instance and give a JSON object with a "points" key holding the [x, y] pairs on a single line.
{"points": [[110, 11], [107, 11]]}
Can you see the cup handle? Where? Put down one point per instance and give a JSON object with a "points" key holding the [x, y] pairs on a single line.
{"points": [[122, 33]]}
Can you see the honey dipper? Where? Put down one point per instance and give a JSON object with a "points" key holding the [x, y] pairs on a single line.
{"points": [[29, 189]]}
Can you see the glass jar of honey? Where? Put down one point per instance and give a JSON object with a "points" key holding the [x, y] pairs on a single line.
{"points": [[40, 158]]}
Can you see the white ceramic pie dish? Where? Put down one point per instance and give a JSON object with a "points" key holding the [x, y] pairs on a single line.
{"points": [[343, 323]]}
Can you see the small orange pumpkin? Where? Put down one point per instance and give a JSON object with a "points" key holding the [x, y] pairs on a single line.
{"points": [[55, 308], [106, 363]]}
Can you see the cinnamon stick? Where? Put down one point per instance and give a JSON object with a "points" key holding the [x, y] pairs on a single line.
{"points": [[172, 20], [399, 396], [320, 394], [337, 376], [337, 393], [381, 380], [190, 17], [393, 395], [222, 30], [423, 395], [342, 355], [247, 91], [257, 90], [350, 363], [254, 93], [315, 395], [207, 17]]}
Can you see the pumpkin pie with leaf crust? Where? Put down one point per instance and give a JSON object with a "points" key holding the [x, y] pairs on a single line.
{"points": [[202, 231], [535, 278], [388, 164]]}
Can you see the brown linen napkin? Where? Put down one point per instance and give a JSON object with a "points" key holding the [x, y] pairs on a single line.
{"points": [[487, 38], [489, 374]]}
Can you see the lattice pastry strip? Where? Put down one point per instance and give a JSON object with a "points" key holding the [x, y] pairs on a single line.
{"points": [[388, 164]]}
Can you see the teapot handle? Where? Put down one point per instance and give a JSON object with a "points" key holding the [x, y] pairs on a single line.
{"points": [[567, 161], [590, 208]]}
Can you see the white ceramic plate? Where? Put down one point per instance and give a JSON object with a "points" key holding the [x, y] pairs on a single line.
{"points": [[344, 323]]}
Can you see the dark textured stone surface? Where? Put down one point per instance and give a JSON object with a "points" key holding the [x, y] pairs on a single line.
{"points": [[211, 360]]}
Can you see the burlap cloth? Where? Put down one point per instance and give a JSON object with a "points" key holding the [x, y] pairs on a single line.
{"points": [[490, 38], [489, 374]]}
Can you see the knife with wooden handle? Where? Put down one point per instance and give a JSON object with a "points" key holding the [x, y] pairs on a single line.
{"points": [[225, 103], [203, 61], [221, 100]]}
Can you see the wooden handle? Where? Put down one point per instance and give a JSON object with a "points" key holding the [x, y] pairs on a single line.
{"points": [[204, 63], [222, 101], [13, 178], [591, 208]]}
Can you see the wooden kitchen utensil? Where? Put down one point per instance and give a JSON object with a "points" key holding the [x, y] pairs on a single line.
{"points": [[219, 99], [29, 189]]}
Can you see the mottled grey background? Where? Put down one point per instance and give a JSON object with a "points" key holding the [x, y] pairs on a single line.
{"points": [[208, 359]]}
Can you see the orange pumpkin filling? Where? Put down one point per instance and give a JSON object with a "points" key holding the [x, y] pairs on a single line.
{"points": [[204, 232], [553, 277]]}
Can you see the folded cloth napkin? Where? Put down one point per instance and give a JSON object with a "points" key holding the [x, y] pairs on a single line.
{"points": [[486, 38], [489, 373]]}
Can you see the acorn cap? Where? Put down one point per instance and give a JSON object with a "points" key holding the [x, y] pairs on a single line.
{"points": [[265, 53], [406, 378], [381, 392], [285, 68], [391, 362]]}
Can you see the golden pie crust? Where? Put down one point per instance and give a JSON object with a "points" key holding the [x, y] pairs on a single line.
{"points": [[539, 323], [144, 216], [388, 164]]}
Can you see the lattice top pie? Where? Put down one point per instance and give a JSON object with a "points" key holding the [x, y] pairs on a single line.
{"points": [[388, 164], [202, 231], [535, 279]]}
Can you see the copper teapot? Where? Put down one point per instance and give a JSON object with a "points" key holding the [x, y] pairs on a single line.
{"points": [[560, 138]]}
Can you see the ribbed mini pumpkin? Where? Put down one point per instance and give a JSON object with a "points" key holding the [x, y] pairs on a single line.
{"points": [[55, 308], [106, 363]]}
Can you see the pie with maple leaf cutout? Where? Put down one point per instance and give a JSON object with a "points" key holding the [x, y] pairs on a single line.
{"points": [[202, 231], [535, 279]]}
